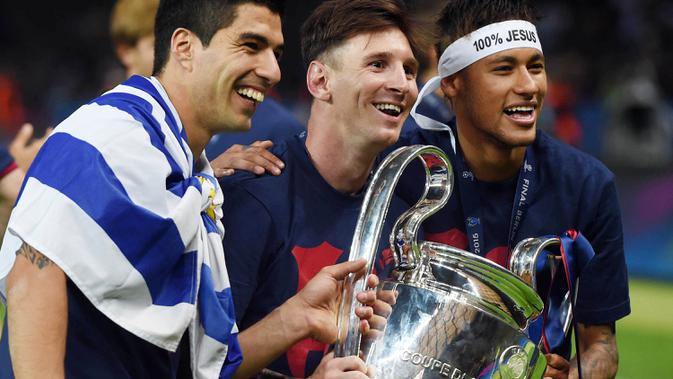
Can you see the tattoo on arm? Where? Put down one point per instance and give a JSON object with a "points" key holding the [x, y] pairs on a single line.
{"points": [[600, 358], [34, 256]]}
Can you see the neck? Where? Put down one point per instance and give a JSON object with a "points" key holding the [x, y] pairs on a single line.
{"points": [[197, 135], [340, 161], [490, 162]]}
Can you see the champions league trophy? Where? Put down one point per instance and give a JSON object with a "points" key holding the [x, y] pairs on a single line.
{"points": [[454, 314]]}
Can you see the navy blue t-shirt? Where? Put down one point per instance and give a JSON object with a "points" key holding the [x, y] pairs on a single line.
{"points": [[573, 191], [280, 231], [271, 121]]}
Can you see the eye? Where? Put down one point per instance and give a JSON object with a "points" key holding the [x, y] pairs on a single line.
{"points": [[503, 68], [410, 72], [536, 67], [378, 64], [254, 46]]}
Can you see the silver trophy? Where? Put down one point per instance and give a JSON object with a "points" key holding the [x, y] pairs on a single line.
{"points": [[453, 314]]}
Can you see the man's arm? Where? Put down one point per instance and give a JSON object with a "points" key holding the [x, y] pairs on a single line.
{"points": [[37, 311], [311, 313], [598, 352]]}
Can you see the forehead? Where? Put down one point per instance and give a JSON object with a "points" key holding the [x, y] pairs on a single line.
{"points": [[390, 41], [522, 54], [256, 19]]}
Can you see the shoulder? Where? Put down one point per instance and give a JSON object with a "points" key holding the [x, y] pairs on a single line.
{"points": [[568, 163], [272, 111], [268, 190]]}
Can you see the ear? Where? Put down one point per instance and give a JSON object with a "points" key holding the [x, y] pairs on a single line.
{"points": [[452, 85], [125, 54], [183, 45], [317, 81]]}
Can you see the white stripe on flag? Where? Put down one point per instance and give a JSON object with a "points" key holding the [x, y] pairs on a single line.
{"points": [[174, 147], [127, 299]]}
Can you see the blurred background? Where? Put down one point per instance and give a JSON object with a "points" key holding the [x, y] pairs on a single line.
{"points": [[611, 95]]}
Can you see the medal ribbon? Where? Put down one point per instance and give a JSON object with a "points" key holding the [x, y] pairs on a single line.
{"points": [[469, 197]]}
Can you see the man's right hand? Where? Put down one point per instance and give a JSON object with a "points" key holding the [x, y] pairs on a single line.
{"points": [[342, 368], [255, 158], [317, 304]]}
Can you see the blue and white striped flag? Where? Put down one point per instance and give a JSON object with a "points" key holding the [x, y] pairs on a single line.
{"points": [[114, 200]]}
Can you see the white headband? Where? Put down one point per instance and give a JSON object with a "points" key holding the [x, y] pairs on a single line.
{"points": [[470, 48]]}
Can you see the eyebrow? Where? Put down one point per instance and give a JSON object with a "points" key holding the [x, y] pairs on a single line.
{"points": [[512, 60], [387, 55]]}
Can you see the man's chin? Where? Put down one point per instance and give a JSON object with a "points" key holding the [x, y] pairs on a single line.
{"points": [[237, 126]]}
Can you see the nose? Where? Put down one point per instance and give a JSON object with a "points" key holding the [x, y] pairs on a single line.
{"points": [[526, 83], [268, 68], [398, 80]]}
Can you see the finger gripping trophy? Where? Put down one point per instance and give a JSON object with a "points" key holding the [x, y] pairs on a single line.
{"points": [[452, 314]]}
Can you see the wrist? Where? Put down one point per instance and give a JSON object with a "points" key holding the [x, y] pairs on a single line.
{"points": [[294, 320]]}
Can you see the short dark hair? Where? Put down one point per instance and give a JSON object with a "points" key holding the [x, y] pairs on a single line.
{"points": [[461, 17], [335, 21], [203, 17]]}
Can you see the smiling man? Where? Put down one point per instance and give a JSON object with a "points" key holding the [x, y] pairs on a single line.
{"points": [[113, 256], [281, 230], [514, 181]]}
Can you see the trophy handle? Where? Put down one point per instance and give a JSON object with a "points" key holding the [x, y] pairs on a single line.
{"points": [[408, 255], [523, 263]]}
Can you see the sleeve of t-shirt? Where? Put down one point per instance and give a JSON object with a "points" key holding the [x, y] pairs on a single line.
{"points": [[248, 234], [7, 164], [603, 291]]}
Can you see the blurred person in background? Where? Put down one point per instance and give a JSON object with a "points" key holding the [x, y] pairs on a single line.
{"points": [[132, 33], [640, 135]]}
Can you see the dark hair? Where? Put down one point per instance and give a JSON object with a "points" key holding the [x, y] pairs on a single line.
{"points": [[203, 17], [461, 17], [335, 21]]}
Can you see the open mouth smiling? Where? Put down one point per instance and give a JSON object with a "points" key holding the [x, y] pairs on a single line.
{"points": [[250, 94], [389, 109], [520, 111]]}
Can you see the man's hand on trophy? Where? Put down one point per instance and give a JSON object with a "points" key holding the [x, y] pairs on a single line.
{"points": [[318, 302], [557, 367], [336, 368], [255, 158], [382, 308]]}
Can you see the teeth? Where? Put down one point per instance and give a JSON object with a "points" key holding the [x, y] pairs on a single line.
{"points": [[392, 107], [520, 109], [251, 94]]}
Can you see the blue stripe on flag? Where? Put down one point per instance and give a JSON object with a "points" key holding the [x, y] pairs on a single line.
{"points": [[147, 86], [211, 226], [151, 243], [129, 104], [234, 357], [216, 309], [179, 188]]}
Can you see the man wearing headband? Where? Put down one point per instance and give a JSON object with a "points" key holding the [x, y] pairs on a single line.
{"points": [[514, 181]]}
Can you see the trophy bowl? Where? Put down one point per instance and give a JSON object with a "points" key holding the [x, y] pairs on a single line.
{"points": [[452, 314]]}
